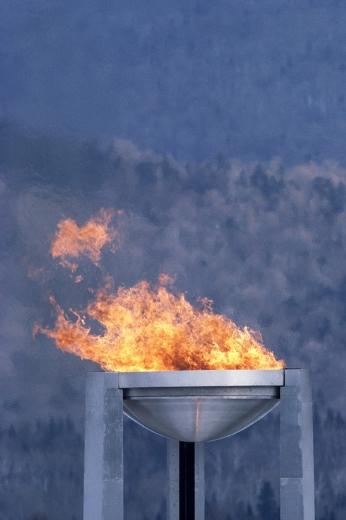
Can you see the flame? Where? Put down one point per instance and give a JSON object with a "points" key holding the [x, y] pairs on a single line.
{"points": [[144, 327], [149, 328], [71, 241]]}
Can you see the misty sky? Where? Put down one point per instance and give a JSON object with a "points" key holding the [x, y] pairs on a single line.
{"points": [[196, 79], [219, 128]]}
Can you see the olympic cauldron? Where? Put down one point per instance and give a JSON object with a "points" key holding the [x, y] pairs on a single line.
{"points": [[190, 408]]}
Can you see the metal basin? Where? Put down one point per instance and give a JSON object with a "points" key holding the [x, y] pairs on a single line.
{"points": [[203, 408]]}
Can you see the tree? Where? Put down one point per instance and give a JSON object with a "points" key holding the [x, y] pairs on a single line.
{"points": [[249, 515], [267, 508]]}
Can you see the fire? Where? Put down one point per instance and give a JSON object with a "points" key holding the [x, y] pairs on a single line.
{"points": [[145, 327], [71, 241], [151, 328]]}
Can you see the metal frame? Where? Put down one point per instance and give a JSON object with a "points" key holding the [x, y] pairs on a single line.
{"points": [[103, 476]]}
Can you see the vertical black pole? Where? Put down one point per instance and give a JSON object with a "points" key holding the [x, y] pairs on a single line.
{"points": [[186, 481]]}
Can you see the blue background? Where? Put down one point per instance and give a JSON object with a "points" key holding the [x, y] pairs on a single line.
{"points": [[219, 128]]}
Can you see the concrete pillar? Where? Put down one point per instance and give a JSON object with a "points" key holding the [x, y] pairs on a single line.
{"points": [[199, 481], [172, 479], [297, 501], [103, 460]]}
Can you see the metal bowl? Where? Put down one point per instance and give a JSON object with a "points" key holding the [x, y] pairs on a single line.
{"points": [[198, 406]]}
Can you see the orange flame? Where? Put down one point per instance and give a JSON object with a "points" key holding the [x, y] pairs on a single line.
{"points": [[152, 329], [72, 241]]}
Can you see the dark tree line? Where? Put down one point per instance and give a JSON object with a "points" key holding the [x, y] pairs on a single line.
{"points": [[41, 464], [41, 474]]}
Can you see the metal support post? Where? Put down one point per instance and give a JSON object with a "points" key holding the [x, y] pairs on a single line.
{"points": [[103, 463], [186, 490], [187, 480], [296, 448]]}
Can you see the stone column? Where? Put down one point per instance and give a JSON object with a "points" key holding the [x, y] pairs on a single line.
{"points": [[297, 500], [103, 459]]}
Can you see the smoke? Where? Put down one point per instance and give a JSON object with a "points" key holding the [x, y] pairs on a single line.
{"points": [[262, 240]]}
